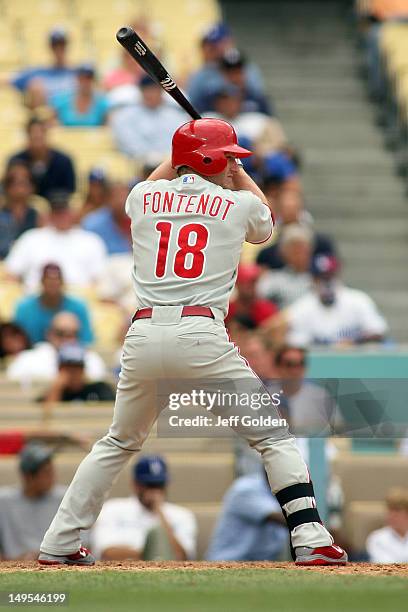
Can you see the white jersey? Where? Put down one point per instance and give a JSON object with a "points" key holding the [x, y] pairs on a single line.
{"points": [[187, 238]]}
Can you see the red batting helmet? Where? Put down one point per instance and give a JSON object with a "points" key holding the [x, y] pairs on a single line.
{"points": [[202, 144]]}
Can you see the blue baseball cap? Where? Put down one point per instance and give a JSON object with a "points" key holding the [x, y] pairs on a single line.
{"points": [[57, 35], [278, 168], [151, 470], [217, 33], [71, 353], [97, 175], [33, 456]]}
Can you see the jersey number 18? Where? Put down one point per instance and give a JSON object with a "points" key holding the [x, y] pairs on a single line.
{"points": [[195, 251]]}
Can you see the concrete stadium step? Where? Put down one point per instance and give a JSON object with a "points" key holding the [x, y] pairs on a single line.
{"points": [[311, 73], [196, 479], [347, 229]]}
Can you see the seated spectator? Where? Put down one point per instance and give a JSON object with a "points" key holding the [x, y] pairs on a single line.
{"points": [[251, 526], [333, 314], [279, 175], [308, 408], [17, 215], [146, 127], [27, 510], [13, 340], [35, 312], [390, 543], [83, 107], [289, 207], [98, 191], [111, 223], [80, 254], [265, 134], [52, 170], [70, 384], [208, 79], [41, 362], [127, 73], [154, 528], [232, 65], [294, 280], [376, 13], [48, 80], [247, 306]]}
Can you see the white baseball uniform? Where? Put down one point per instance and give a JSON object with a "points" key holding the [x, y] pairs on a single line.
{"points": [[187, 238]]}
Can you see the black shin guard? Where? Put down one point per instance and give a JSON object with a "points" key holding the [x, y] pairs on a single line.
{"points": [[294, 519]]}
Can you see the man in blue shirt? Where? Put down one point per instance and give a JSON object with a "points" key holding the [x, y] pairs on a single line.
{"points": [[55, 78], [251, 526], [35, 312], [111, 222]]}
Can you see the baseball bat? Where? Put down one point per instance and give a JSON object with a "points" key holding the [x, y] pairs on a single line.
{"points": [[141, 53]]}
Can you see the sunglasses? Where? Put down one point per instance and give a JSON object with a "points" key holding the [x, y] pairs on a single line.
{"points": [[65, 333], [293, 364]]}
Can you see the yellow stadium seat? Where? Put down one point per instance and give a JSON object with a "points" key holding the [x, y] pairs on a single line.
{"points": [[11, 53], [72, 139], [10, 293], [46, 9]]}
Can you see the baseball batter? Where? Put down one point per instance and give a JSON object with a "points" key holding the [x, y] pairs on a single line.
{"points": [[189, 220]]}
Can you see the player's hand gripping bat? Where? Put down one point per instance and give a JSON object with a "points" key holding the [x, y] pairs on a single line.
{"points": [[140, 52]]}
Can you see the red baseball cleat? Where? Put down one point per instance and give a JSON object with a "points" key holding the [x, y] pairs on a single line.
{"points": [[324, 555], [82, 557]]}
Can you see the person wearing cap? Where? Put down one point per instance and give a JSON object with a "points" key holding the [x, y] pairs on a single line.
{"points": [[145, 525], [34, 313], [97, 193], [52, 170], [80, 254], [146, 128], [83, 107], [288, 284], [247, 307], [208, 78], [56, 77], [110, 222], [232, 66], [71, 384], [40, 363], [26, 509], [333, 314]]}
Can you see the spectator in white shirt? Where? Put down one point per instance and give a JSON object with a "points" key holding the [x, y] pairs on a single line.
{"points": [[390, 543], [145, 525], [332, 314], [80, 254], [41, 362], [293, 281], [147, 127]]}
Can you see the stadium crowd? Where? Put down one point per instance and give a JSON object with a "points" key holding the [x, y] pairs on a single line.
{"points": [[63, 239]]}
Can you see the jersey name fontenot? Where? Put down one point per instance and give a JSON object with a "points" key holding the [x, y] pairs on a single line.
{"points": [[187, 239]]}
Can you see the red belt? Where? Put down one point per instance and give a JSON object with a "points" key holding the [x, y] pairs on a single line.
{"points": [[188, 311]]}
